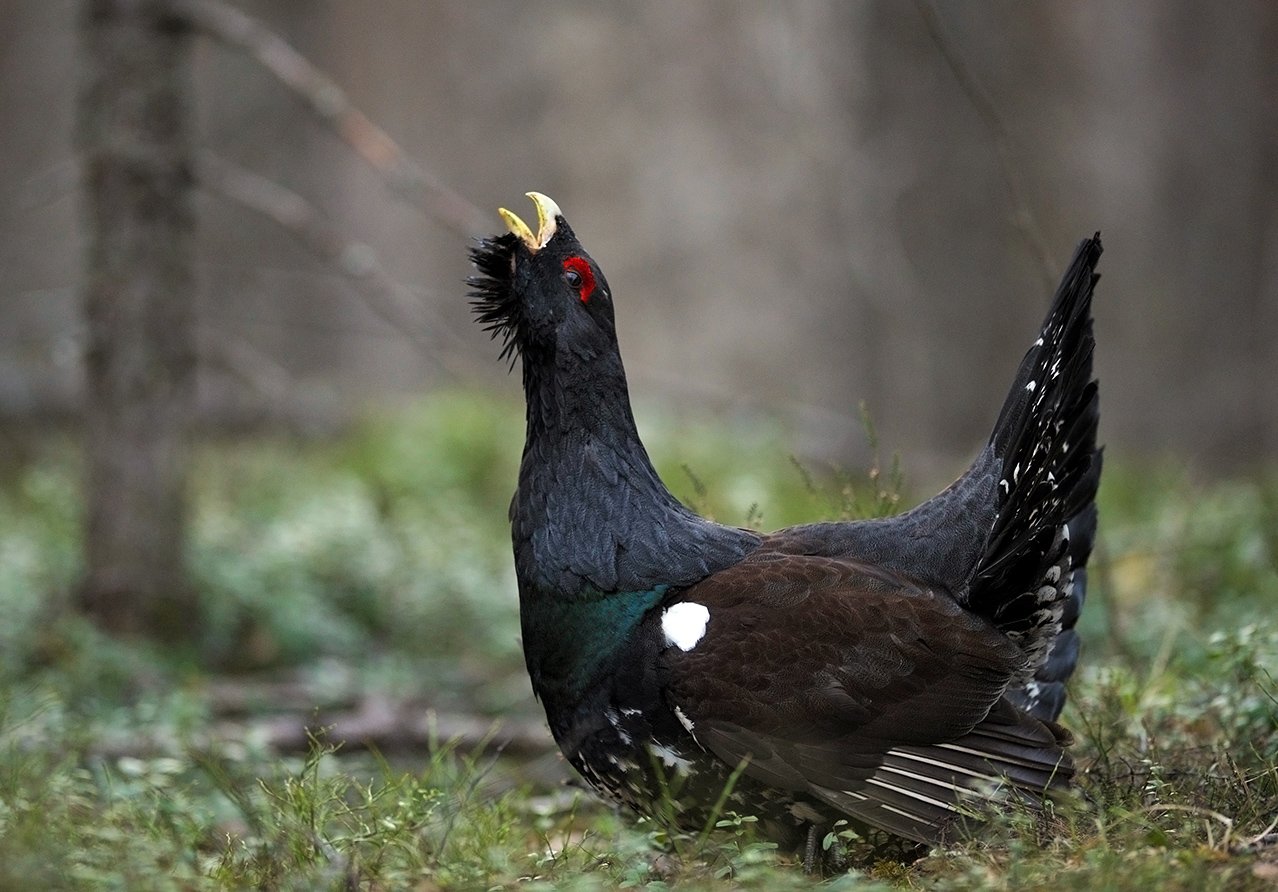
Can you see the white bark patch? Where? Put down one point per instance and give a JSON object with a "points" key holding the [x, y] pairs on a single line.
{"points": [[684, 624]]}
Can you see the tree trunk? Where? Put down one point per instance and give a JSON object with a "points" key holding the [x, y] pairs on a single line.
{"points": [[134, 132]]}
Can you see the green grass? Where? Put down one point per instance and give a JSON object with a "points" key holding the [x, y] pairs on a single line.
{"points": [[379, 564]]}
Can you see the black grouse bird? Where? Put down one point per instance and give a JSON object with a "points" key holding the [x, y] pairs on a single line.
{"points": [[903, 673]]}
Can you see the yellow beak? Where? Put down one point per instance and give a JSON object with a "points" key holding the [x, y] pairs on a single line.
{"points": [[547, 211]]}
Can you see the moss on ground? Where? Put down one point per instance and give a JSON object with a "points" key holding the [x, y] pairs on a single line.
{"points": [[378, 564]]}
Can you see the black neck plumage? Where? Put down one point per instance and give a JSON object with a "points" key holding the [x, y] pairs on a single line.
{"points": [[591, 514]]}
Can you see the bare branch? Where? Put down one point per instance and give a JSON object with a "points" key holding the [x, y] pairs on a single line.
{"points": [[1022, 214], [408, 179], [376, 723], [357, 261], [44, 187], [237, 356]]}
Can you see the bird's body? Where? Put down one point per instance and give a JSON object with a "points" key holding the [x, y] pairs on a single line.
{"points": [[901, 672]]}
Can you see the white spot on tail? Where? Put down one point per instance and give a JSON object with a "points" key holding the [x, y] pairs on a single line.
{"points": [[684, 624], [683, 720], [1030, 386]]}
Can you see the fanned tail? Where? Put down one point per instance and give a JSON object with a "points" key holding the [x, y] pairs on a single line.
{"points": [[1031, 578]]}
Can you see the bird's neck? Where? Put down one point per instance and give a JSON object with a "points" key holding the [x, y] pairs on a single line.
{"points": [[577, 410], [591, 512]]}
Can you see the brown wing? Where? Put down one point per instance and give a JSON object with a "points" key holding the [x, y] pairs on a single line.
{"points": [[858, 686]]}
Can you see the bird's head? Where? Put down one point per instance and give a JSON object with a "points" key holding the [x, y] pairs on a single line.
{"points": [[541, 293]]}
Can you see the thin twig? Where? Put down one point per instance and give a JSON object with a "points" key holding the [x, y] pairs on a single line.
{"points": [[355, 260], [237, 356], [44, 187], [376, 724], [406, 177], [1022, 215], [1201, 812], [1263, 837]]}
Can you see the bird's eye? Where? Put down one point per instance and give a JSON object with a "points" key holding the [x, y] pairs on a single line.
{"points": [[580, 277]]}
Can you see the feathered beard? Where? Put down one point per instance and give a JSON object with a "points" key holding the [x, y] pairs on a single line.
{"points": [[491, 296]]}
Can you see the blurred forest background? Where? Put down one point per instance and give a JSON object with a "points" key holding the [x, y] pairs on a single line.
{"points": [[799, 205], [255, 456]]}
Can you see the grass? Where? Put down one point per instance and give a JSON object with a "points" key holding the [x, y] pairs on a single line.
{"points": [[379, 564]]}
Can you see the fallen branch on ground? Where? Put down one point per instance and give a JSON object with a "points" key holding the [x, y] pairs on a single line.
{"points": [[376, 723]]}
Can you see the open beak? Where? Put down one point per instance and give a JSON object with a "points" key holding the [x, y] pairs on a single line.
{"points": [[547, 211]]}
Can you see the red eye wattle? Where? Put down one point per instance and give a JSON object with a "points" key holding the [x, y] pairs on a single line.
{"points": [[579, 276]]}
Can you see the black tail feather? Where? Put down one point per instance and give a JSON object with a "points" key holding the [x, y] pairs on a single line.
{"points": [[1044, 695], [1030, 580]]}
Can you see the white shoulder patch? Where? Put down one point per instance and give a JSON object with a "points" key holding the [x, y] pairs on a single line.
{"points": [[684, 624]]}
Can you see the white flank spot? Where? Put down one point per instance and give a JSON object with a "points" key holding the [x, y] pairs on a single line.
{"points": [[684, 624], [683, 720], [670, 758], [615, 721]]}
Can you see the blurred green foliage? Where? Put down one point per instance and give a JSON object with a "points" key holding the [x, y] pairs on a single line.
{"points": [[384, 556]]}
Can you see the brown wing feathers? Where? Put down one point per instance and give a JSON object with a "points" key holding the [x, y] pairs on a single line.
{"points": [[874, 694]]}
